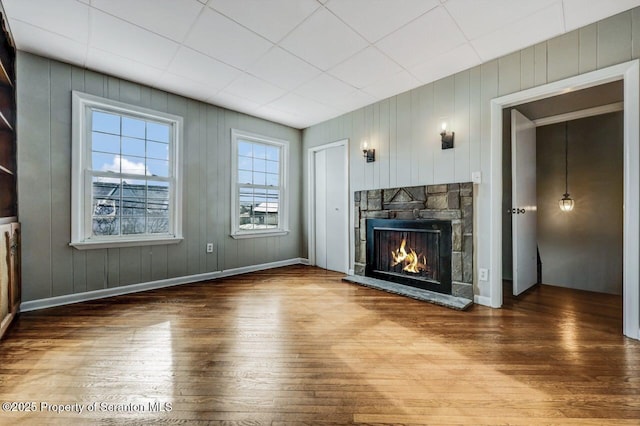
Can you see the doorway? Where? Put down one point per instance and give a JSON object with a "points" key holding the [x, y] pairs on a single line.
{"points": [[629, 73], [328, 207]]}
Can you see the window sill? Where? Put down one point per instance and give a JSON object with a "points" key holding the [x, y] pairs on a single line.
{"points": [[258, 234], [133, 242]]}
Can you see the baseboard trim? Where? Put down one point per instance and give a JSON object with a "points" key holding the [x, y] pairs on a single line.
{"points": [[51, 302], [482, 300]]}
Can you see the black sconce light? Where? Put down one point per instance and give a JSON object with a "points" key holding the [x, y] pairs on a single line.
{"points": [[368, 153], [447, 137]]}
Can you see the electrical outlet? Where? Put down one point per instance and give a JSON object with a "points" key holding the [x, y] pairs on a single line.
{"points": [[209, 247], [476, 177], [483, 274]]}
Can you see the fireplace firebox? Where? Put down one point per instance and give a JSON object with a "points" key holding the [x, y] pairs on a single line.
{"points": [[410, 252]]}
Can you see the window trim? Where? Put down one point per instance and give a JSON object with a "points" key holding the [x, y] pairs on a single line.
{"points": [[283, 202], [81, 237]]}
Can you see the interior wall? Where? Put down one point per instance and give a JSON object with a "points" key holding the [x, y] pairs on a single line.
{"points": [[583, 248], [52, 268], [404, 129]]}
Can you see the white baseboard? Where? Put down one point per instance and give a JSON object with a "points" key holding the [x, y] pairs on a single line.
{"points": [[482, 300], [68, 299]]}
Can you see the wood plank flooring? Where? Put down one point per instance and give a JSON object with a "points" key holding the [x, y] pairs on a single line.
{"points": [[296, 345]]}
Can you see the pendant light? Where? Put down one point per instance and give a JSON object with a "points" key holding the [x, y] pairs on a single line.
{"points": [[566, 203]]}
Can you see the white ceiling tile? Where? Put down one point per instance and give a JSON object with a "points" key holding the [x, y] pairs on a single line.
{"points": [[296, 105], [283, 69], [392, 85], [35, 40], [533, 29], [579, 13], [233, 102], [250, 87], [202, 69], [354, 100], [272, 19], [480, 17], [169, 18], [225, 40], [459, 59], [323, 40], [68, 18], [117, 36], [186, 87], [124, 68], [365, 68], [428, 36], [374, 19], [295, 121], [325, 89]]}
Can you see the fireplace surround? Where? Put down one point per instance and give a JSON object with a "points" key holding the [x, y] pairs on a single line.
{"points": [[450, 203]]}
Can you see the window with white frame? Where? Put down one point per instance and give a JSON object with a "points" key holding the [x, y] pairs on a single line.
{"points": [[259, 198], [125, 174]]}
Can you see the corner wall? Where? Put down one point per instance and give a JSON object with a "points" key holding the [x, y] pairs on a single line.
{"points": [[51, 268]]}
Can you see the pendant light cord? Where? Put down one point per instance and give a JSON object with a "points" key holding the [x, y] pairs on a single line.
{"points": [[566, 157]]}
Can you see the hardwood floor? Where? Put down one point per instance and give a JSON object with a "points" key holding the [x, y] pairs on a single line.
{"points": [[297, 346]]}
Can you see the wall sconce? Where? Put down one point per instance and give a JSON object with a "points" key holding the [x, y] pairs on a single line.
{"points": [[368, 153], [447, 137]]}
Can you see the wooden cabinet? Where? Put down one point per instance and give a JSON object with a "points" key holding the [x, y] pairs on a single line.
{"points": [[9, 274], [9, 227]]}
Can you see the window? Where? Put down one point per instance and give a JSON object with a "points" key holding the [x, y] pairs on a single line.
{"points": [[125, 174], [259, 185]]}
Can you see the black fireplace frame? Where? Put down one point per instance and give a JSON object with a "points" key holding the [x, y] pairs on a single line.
{"points": [[443, 227]]}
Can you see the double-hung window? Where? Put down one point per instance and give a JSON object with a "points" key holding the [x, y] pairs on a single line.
{"points": [[125, 174], [259, 190]]}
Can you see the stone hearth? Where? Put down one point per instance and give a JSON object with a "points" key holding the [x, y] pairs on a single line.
{"points": [[452, 202]]}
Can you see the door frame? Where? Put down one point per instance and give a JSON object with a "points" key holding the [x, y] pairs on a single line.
{"points": [[629, 72], [311, 197]]}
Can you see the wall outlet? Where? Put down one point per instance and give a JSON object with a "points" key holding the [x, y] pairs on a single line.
{"points": [[209, 247], [483, 274], [476, 177]]}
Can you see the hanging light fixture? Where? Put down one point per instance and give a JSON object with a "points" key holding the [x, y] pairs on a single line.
{"points": [[566, 203]]}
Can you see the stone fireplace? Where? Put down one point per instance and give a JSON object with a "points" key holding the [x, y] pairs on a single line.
{"points": [[420, 236]]}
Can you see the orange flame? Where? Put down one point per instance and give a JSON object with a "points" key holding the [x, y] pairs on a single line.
{"points": [[410, 260]]}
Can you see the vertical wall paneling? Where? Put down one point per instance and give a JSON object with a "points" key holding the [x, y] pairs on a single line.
{"points": [[359, 165], [428, 137], [614, 40], [383, 131], [34, 174], [212, 187], [79, 256], [509, 74], [60, 131], [393, 142], [563, 53], [403, 141], [588, 56], [635, 32], [475, 122], [417, 138], [527, 67], [51, 267], [540, 64], [444, 104], [462, 141]]}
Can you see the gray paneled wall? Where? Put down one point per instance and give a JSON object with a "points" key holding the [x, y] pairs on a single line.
{"points": [[583, 248], [52, 268], [404, 129]]}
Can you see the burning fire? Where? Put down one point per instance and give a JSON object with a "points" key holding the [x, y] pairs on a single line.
{"points": [[411, 260]]}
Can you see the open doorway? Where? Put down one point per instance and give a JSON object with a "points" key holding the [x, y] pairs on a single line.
{"points": [[577, 147], [629, 73]]}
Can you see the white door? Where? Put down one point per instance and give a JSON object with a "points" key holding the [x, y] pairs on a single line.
{"points": [[331, 212], [523, 209]]}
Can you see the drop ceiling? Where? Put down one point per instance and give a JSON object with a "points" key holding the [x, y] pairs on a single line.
{"points": [[295, 62]]}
